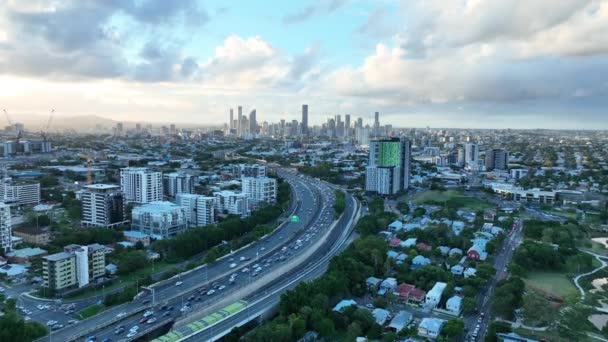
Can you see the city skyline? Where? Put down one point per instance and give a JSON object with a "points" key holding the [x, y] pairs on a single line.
{"points": [[192, 61]]}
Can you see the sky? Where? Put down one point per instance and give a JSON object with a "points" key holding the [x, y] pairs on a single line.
{"points": [[438, 63]]}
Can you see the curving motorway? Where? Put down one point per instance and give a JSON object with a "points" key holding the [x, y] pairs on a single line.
{"points": [[198, 291]]}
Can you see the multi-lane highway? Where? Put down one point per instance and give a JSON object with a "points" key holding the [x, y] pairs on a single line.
{"points": [[232, 275]]}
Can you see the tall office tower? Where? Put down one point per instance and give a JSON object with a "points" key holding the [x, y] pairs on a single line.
{"points": [[347, 125], [471, 154], [103, 205], [388, 171], [359, 122], [362, 135], [231, 122], [339, 126], [282, 128], [304, 119], [376, 123], [497, 159], [141, 185], [239, 119], [253, 122], [6, 230], [244, 125], [331, 127], [294, 128], [460, 157], [176, 183]]}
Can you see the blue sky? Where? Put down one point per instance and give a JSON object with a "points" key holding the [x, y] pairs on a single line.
{"points": [[469, 63]]}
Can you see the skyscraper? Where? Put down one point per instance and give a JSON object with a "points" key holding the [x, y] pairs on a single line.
{"points": [[239, 119], [471, 154], [497, 159], [376, 123], [141, 185], [231, 122], [304, 119], [253, 123], [347, 125], [388, 171]]}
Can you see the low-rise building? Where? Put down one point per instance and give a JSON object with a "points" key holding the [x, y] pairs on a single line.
{"points": [[34, 235], [454, 305], [400, 321], [134, 237], [75, 267], [200, 209], [430, 327], [380, 315], [433, 297], [25, 255], [231, 202]]}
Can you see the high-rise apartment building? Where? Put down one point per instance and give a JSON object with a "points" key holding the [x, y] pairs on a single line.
{"points": [[141, 185], [388, 171], [75, 267], [200, 209], [231, 202], [103, 205], [20, 192], [6, 233], [253, 122], [177, 182], [497, 159], [376, 124], [304, 119], [248, 170], [231, 122], [260, 189], [347, 126]]}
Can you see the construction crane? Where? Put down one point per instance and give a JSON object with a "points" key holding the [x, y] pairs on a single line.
{"points": [[10, 122], [89, 160], [45, 128]]}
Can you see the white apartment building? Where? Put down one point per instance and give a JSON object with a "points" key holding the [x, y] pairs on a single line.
{"points": [[231, 202], [141, 185], [159, 219], [260, 189], [177, 183], [103, 205], [433, 297], [5, 228], [200, 210], [249, 170], [20, 193]]}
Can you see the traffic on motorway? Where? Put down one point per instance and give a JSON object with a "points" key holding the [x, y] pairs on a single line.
{"points": [[203, 287]]}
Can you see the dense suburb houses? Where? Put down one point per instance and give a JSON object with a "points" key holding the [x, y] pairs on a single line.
{"points": [[152, 206]]}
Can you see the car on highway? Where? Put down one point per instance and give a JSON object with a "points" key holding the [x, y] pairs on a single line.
{"points": [[121, 314], [131, 334], [91, 339], [119, 330], [57, 327], [51, 323], [233, 265], [178, 283], [167, 313], [184, 308], [143, 320], [152, 320], [134, 328], [210, 292], [221, 287], [73, 321], [148, 313], [107, 340]]}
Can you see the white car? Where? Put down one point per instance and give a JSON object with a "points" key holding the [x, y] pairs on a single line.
{"points": [[178, 283], [131, 334], [184, 308], [210, 292], [148, 313], [152, 320], [221, 287], [233, 265], [50, 323], [134, 328], [121, 315]]}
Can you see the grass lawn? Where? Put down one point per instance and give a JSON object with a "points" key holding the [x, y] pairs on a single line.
{"points": [[90, 311], [549, 335], [553, 282], [456, 199]]}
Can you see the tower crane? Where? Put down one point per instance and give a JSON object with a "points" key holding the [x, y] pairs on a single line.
{"points": [[45, 128], [10, 122]]}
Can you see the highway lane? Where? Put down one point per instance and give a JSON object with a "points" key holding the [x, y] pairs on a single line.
{"points": [[308, 196], [271, 295]]}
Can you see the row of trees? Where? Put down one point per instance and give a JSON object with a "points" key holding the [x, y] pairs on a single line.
{"points": [[13, 328]]}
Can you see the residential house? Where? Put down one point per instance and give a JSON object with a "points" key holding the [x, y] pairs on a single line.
{"points": [[420, 261], [401, 258], [430, 327], [454, 305], [396, 225], [373, 283], [444, 250], [388, 285], [416, 296], [380, 315], [470, 272], [392, 255], [457, 270], [421, 246], [476, 252], [400, 321], [433, 297], [343, 304], [408, 243], [455, 251], [395, 242]]}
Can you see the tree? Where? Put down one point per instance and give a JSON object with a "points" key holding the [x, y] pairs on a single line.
{"points": [[419, 212], [453, 329], [468, 305], [403, 207]]}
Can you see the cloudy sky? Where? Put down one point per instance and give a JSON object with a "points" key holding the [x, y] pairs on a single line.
{"points": [[456, 63]]}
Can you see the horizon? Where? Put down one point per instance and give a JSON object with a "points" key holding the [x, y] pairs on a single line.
{"points": [[415, 62]]}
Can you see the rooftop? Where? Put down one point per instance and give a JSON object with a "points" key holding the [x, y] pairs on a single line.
{"points": [[102, 186], [26, 252], [59, 256]]}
